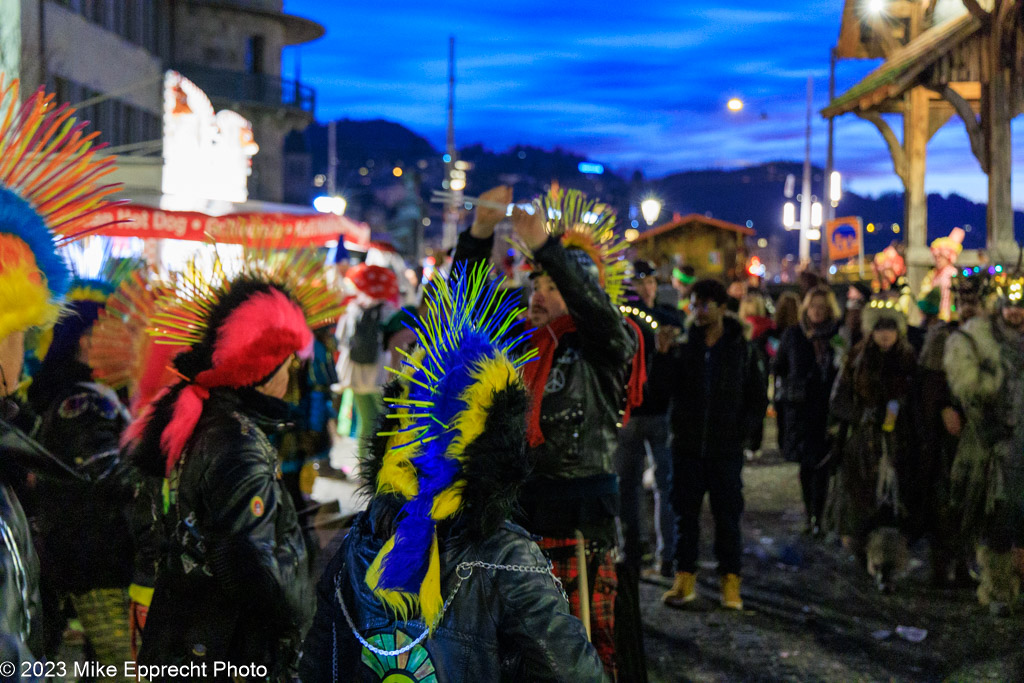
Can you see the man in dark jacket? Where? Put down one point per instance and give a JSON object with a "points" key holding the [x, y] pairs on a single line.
{"points": [[233, 584], [718, 383], [470, 597], [578, 386], [646, 433], [85, 557]]}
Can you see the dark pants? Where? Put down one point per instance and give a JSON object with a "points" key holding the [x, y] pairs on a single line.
{"points": [[645, 435], [721, 479], [814, 486]]}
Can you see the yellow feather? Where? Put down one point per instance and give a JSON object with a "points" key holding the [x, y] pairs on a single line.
{"points": [[24, 303], [492, 375], [430, 590], [398, 603], [447, 502]]}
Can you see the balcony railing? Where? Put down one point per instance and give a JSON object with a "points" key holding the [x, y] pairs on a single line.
{"points": [[246, 88]]}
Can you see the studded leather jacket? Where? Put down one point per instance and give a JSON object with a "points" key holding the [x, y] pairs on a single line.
{"points": [[234, 583], [574, 485], [507, 621]]}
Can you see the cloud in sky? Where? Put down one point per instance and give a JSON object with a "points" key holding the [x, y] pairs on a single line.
{"points": [[634, 85]]}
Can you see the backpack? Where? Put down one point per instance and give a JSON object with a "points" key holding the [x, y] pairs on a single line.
{"points": [[367, 337]]}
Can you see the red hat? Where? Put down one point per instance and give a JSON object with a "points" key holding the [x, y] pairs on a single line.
{"points": [[376, 282]]}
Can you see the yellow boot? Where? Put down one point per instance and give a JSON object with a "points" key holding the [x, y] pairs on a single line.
{"points": [[684, 590], [731, 592]]}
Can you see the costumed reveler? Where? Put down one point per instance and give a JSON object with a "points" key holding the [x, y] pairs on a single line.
{"points": [[942, 425], [85, 557], [49, 189], [984, 362], [233, 583], [945, 251], [433, 582], [874, 409], [124, 357], [587, 355]]}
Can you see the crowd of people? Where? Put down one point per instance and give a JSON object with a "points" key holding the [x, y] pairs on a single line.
{"points": [[155, 433]]}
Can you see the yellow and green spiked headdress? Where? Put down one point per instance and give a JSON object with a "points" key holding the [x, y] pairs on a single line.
{"points": [[587, 228], [452, 447]]}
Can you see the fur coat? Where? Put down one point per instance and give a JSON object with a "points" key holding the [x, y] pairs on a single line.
{"points": [[984, 362]]}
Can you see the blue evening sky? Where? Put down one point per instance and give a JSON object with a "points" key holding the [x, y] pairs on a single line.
{"points": [[631, 84]]}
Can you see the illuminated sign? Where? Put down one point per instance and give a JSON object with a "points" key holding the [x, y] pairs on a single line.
{"points": [[207, 155], [843, 236], [590, 168]]}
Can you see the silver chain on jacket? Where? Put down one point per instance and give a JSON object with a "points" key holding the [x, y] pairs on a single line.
{"points": [[20, 576], [462, 572]]}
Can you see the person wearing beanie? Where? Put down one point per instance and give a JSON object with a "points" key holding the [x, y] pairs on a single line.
{"points": [[647, 433], [42, 206], [984, 362], [718, 385], [875, 422], [587, 378], [233, 583], [434, 563]]}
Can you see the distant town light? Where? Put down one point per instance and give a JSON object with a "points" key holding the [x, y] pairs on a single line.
{"points": [[590, 168], [319, 179], [789, 215], [458, 184], [446, 158], [632, 234], [397, 171], [735, 104], [871, 227], [896, 228], [762, 243], [650, 208]]}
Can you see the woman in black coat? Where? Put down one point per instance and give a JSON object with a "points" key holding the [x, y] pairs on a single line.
{"points": [[805, 369]]}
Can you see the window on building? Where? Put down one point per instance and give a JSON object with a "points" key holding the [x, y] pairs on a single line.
{"points": [[119, 122], [254, 49]]}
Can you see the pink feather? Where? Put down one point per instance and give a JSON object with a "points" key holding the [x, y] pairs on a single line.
{"points": [[187, 411]]}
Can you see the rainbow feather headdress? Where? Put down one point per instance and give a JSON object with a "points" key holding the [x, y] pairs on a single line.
{"points": [[466, 356], [588, 226], [49, 188]]}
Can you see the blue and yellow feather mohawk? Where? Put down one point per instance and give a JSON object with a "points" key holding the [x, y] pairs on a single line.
{"points": [[468, 351]]}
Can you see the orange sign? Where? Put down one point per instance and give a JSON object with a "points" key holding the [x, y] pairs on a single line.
{"points": [[843, 236]]}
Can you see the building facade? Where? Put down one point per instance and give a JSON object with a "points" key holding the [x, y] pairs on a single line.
{"points": [[108, 57]]}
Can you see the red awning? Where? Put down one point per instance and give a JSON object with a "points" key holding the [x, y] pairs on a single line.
{"points": [[283, 230]]}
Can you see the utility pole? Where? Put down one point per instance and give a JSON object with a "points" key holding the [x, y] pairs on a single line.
{"points": [[830, 209], [451, 210], [805, 197], [332, 159]]}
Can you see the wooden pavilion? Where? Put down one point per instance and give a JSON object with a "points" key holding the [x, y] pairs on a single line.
{"points": [[715, 248], [942, 57]]}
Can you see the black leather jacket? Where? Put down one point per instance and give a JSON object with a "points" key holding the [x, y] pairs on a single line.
{"points": [[502, 625], [92, 547], [234, 584], [574, 485], [21, 627]]}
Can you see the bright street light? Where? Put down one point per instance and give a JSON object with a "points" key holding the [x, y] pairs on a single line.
{"points": [[328, 204], [735, 104], [876, 6], [816, 215], [789, 215], [650, 208], [835, 188]]}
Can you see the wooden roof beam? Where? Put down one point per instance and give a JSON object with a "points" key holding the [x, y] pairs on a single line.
{"points": [[974, 132], [975, 8], [899, 155]]}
